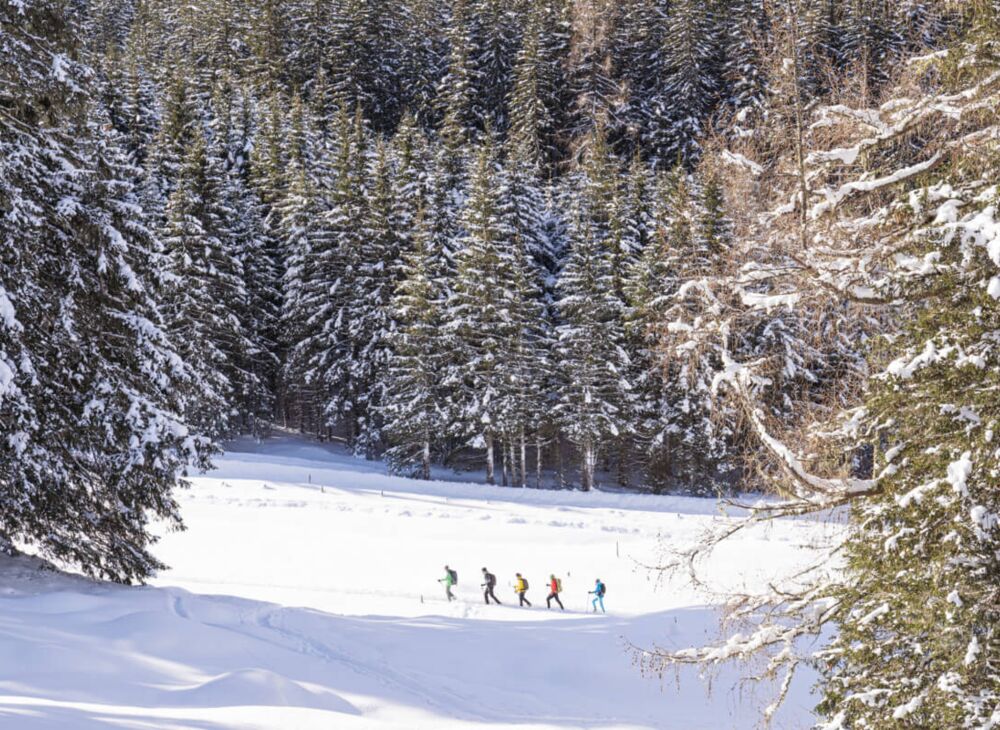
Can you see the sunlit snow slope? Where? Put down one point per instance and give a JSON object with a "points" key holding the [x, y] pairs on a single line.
{"points": [[304, 595]]}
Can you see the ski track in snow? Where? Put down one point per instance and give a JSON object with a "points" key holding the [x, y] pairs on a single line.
{"points": [[305, 595]]}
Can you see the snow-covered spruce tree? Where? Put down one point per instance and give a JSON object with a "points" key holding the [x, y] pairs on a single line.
{"points": [[913, 611], [206, 289], [268, 43], [532, 127], [423, 61], [496, 47], [746, 40], [529, 367], [412, 402], [308, 256], [556, 26], [334, 318], [456, 96], [676, 116], [650, 284], [870, 37], [180, 120], [479, 313], [90, 387], [631, 226], [691, 445], [537, 103], [639, 63], [595, 95], [593, 389], [256, 251], [373, 322]]}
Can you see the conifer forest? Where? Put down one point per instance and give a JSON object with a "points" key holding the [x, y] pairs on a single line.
{"points": [[698, 247]]}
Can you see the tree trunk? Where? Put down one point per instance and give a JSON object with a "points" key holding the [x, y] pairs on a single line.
{"points": [[524, 461], [506, 463], [562, 464], [425, 467], [588, 466], [623, 464], [538, 463], [489, 458]]}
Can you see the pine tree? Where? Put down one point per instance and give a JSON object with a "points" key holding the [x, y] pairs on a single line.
{"points": [[91, 389], [640, 63], [478, 314], [595, 94], [678, 112], [593, 388], [692, 220], [373, 326], [307, 253], [206, 288], [631, 224], [651, 284], [746, 85], [268, 43], [496, 47], [532, 126], [869, 41], [555, 24], [337, 275], [180, 123], [250, 242], [423, 62], [461, 115], [413, 399], [917, 613], [592, 360]]}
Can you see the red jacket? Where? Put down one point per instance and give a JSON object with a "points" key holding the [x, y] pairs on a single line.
{"points": [[555, 586]]}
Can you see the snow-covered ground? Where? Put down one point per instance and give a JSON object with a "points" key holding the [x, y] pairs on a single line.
{"points": [[304, 595]]}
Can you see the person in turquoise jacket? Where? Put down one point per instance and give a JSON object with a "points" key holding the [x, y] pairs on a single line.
{"points": [[598, 594]]}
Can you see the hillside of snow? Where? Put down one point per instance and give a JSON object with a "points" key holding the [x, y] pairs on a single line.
{"points": [[305, 594]]}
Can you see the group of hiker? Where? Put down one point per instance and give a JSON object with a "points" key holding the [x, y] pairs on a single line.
{"points": [[450, 579]]}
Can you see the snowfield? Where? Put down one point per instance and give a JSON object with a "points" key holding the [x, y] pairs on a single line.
{"points": [[304, 595]]}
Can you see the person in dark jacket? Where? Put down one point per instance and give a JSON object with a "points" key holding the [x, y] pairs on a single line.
{"points": [[553, 593], [489, 585]]}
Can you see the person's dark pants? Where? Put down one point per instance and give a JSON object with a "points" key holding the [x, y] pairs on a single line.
{"points": [[548, 601], [523, 599], [488, 594], [451, 596]]}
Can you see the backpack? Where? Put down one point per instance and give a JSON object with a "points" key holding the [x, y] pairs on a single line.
{"points": [[524, 583], [454, 576], [558, 585], [491, 580], [602, 590]]}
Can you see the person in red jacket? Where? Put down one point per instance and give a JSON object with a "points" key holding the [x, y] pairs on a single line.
{"points": [[555, 586]]}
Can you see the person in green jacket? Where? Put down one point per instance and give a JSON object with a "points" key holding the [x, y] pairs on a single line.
{"points": [[450, 579]]}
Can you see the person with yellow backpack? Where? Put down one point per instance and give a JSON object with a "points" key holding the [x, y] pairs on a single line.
{"points": [[520, 588], [555, 588]]}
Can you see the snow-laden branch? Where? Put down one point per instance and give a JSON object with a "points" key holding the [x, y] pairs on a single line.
{"points": [[821, 492]]}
